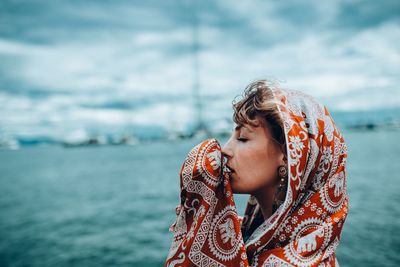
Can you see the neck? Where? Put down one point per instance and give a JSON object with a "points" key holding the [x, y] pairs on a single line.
{"points": [[265, 198]]}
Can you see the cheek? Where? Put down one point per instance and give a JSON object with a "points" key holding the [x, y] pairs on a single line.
{"points": [[263, 171], [257, 169]]}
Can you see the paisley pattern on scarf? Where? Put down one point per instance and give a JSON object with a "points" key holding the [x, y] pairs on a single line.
{"points": [[304, 231], [207, 227]]}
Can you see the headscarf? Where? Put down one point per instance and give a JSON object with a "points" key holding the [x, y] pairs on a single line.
{"points": [[305, 229]]}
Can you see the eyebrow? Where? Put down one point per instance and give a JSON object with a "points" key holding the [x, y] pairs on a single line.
{"points": [[238, 127]]}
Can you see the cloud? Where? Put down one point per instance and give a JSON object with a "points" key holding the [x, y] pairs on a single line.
{"points": [[96, 65]]}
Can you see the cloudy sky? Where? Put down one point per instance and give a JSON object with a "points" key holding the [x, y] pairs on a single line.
{"points": [[68, 66]]}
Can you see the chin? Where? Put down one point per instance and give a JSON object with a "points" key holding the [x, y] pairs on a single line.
{"points": [[237, 190]]}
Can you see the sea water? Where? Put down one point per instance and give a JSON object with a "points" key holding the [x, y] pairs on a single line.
{"points": [[112, 206]]}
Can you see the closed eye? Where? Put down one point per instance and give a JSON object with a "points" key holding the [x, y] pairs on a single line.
{"points": [[242, 139]]}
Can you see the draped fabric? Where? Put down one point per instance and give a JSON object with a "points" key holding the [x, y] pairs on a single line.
{"points": [[207, 228], [304, 231]]}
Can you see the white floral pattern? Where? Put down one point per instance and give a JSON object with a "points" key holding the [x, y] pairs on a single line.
{"points": [[304, 231], [316, 155]]}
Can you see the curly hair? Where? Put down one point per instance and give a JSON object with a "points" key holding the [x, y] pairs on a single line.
{"points": [[258, 102]]}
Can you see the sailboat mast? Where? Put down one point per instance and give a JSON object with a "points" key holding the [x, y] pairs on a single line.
{"points": [[196, 78]]}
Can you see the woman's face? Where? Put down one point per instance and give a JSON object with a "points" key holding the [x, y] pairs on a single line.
{"points": [[253, 157]]}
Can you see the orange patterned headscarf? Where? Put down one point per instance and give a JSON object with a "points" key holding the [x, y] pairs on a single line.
{"points": [[305, 229]]}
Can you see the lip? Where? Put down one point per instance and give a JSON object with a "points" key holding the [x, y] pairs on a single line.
{"points": [[231, 170], [229, 174]]}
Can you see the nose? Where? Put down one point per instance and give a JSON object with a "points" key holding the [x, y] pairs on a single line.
{"points": [[227, 150]]}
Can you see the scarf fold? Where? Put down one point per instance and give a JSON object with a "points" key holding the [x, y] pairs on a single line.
{"points": [[304, 231]]}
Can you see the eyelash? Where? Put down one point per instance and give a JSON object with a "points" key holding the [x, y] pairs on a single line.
{"points": [[242, 140]]}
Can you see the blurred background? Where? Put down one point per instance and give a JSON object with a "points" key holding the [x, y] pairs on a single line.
{"points": [[100, 101]]}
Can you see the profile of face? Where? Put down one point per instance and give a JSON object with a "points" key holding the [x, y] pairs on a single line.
{"points": [[253, 157]]}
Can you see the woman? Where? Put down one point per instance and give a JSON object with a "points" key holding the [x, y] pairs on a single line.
{"points": [[287, 153]]}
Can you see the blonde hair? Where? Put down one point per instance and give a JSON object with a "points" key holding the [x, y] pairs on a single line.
{"points": [[258, 102]]}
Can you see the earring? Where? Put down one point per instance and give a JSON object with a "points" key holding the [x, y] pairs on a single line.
{"points": [[282, 173]]}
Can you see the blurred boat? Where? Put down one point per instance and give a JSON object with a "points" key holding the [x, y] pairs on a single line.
{"points": [[372, 126], [11, 144]]}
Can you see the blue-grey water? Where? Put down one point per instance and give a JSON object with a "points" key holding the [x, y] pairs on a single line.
{"points": [[112, 206]]}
